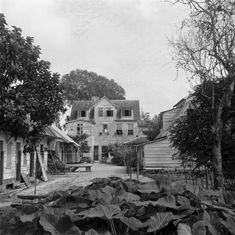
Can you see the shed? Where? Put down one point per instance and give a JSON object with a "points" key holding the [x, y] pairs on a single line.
{"points": [[158, 154]]}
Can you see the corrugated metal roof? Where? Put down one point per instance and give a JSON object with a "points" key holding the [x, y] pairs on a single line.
{"points": [[55, 132]]}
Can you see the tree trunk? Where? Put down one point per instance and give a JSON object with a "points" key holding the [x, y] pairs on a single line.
{"points": [[217, 157], [217, 129]]}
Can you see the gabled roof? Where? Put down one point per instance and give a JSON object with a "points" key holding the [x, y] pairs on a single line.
{"points": [[103, 98], [119, 104], [129, 104]]}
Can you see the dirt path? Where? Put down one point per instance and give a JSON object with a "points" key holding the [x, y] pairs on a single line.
{"points": [[81, 178]]}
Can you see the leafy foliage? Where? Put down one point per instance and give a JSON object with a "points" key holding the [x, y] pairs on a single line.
{"points": [[31, 96], [151, 127], [81, 140], [116, 150], [206, 49], [115, 206], [192, 134], [83, 85]]}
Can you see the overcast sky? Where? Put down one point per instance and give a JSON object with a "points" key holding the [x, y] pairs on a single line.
{"points": [[125, 40]]}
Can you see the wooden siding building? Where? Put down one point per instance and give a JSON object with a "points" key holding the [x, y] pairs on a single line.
{"points": [[14, 161], [159, 154]]}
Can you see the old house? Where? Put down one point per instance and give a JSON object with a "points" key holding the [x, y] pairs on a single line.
{"points": [[158, 154], [14, 160], [104, 121], [65, 148]]}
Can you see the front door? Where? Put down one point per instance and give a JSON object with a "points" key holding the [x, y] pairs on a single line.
{"points": [[18, 161], [96, 153], [1, 162], [105, 153]]}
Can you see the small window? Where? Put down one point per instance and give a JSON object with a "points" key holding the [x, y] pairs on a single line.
{"points": [[127, 113], [109, 112], [105, 128], [76, 114], [83, 113], [79, 129], [119, 129], [130, 129], [100, 112]]}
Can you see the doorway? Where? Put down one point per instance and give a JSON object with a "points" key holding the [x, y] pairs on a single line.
{"points": [[1, 162], [105, 153], [18, 161], [96, 153]]}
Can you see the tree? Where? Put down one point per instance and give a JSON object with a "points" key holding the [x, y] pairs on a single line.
{"points": [[206, 49], [150, 126], [191, 135], [31, 96], [83, 85], [81, 140]]}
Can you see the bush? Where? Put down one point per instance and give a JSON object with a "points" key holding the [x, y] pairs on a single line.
{"points": [[55, 164], [118, 160]]}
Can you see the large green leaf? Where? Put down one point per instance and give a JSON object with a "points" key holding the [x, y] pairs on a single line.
{"points": [[159, 221], [210, 221], [133, 223], [184, 229], [199, 228], [229, 224], [109, 190], [94, 232], [149, 187], [125, 196], [167, 201], [57, 223], [101, 211], [27, 218]]}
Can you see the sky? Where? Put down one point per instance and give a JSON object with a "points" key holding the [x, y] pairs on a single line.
{"points": [[124, 40]]}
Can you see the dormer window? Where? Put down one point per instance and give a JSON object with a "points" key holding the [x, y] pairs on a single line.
{"points": [[109, 112], [100, 112], [83, 113], [127, 113]]}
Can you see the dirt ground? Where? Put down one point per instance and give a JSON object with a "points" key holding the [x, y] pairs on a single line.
{"points": [[74, 179]]}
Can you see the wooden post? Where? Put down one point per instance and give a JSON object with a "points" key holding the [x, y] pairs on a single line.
{"points": [[137, 163], [35, 172]]}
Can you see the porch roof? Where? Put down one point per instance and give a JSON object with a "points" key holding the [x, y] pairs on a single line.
{"points": [[55, 132]]}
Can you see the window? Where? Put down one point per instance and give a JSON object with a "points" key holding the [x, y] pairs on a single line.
{"points": [[119, 129], [127, 113], [109, 112], [9, 151], [83, 113], [130, 129], [79, 129], [105, 128], [100, 112]]}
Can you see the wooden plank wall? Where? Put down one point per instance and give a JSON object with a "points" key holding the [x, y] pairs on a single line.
{"points": [[159, 155], [169, 117]]}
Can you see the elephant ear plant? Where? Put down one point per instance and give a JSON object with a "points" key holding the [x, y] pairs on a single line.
{"points": [[116, 206]]}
